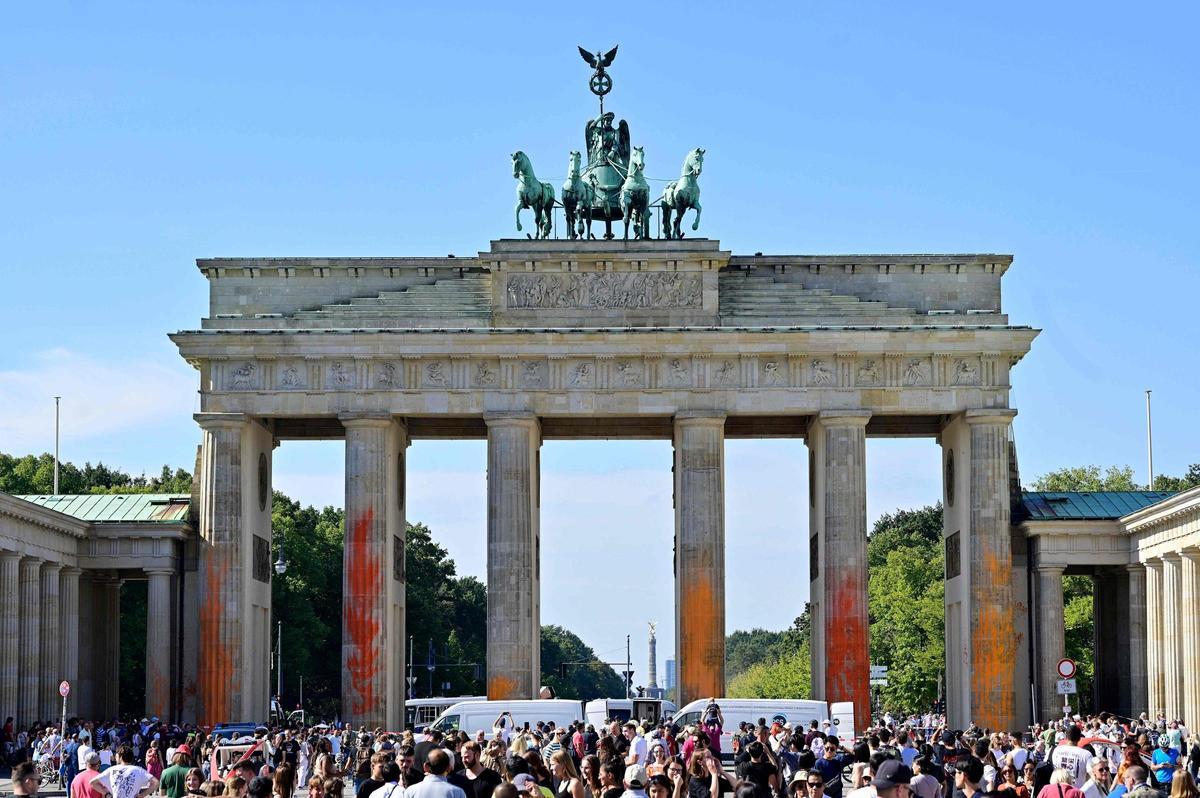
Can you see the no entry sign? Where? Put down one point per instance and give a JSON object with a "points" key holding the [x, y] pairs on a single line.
{"points": [[63, 688], [1066, 668]]}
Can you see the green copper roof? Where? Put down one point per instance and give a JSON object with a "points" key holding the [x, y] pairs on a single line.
{"points": [[119, 508], [1084, 505]]}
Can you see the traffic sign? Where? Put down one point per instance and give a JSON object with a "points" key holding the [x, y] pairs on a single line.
{"points": [[1066, 668], [879, 671], [1065, 686], [880, 682], [64, 688], [411, 680]]}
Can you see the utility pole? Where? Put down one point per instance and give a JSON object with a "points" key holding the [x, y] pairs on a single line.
{"points": [[1149, 445], [412, 680], [56, 399]]}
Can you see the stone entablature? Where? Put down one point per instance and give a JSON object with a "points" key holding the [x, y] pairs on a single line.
{"points": [[424, 372], [266, 292]]}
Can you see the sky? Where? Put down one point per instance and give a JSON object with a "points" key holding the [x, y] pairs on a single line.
{"points": [[137, 137]]}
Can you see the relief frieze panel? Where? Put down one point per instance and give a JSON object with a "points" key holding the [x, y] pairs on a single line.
{"points": [[624, 290], [670, 372]]}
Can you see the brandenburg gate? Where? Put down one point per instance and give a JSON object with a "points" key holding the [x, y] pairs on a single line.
{"points": [[537, 339]]}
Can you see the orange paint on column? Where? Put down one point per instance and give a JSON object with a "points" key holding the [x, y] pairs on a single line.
{"points": [[847, 656], [361, 615], [216, 659], [700, 635], [992, 645], [501, 688]]}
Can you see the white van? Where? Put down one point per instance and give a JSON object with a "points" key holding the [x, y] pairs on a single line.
{"points": [[621, 709], [471, 716], [798, 712]]}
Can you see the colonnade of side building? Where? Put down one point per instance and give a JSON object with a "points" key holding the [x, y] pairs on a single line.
{"points": [[234, 601]]}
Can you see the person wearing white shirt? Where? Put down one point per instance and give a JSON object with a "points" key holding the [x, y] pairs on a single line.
{"points": [[125, 780], [85, 750], [639, 750]]}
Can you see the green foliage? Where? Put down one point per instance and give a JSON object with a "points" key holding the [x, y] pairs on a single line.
{"points": [[788, 676], [308, 601], [35, 475], [746, 649], [585, 682], [1079, 632], [1175, 484], [1087, 477], [131, 684], [905, 595]]}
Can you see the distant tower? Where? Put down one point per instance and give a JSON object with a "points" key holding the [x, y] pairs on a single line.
{"points": [[652, 684]]}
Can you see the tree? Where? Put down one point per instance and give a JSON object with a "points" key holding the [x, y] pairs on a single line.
{"points": [[905, 597], [1176, 484], [585, 682], [745, 649], [32, 474], [789, 676], [1087, 477]]}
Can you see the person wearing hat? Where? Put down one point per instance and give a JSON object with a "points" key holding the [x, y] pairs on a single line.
{"points": [[892, 780], [81, 785], [798, 786], [174, 778], [635, 781]]}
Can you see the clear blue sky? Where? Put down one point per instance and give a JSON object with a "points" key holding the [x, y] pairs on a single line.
{"points": [[135, 138]]}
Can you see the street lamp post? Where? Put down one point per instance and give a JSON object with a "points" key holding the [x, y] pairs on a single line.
{"points": [[281, 569]]}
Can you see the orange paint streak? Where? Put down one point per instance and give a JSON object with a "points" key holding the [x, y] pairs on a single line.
{"points": [[847, 669], [701, 640], [216, 660], [992, 645], [363, 625], [501, 688]]}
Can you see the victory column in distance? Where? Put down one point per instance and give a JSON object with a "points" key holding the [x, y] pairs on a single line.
{"points": [[613, 184]]}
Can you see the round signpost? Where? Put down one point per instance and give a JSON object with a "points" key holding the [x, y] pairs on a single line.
{"points": [[64, 689], [1066, 668]]}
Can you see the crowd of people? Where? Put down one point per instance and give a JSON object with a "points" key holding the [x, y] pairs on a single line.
{"points": [[899, 757]]}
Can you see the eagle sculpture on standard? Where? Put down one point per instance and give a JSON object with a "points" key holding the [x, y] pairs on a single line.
{"points": [[597, 61]]}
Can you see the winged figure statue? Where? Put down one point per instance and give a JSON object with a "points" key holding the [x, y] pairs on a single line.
{"points": [[597, 61]]}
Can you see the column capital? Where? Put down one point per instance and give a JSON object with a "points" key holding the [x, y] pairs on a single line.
{"points": [[1172, 557], [158, 571], [714, 418], [71, 570], [367, 419], [52, 566], [1050, 569], [990, 415], [1191, 553], [11, 555], [29, 561], [211, 421], [1135, 568], [513, 419], [843, 418]]}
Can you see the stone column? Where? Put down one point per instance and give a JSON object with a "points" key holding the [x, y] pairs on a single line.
{"points": [[699, 554], [1051, 644], [111, 654], [1172, 648], [514, 549], [158, 642], [10, 631], [993, 699], [49, 702], [837, 441], [1137, 639], [372, 627], [31, 641], [234, 569], [68, 627], [1189, 660], [1155, 684]]}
